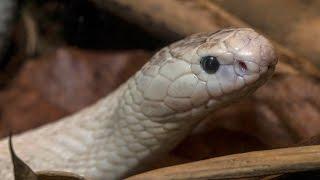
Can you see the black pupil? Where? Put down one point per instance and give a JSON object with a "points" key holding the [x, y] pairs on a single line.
{"points": [[210, 64]]}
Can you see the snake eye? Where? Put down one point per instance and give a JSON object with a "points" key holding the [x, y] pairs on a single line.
{"points": [[210, 64]]}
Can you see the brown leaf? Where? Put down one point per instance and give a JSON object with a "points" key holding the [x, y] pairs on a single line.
{"points": [[21, 170], [58, 175], [63, 82]]}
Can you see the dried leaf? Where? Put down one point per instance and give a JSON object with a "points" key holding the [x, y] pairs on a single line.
{"points": [[62, 82], [21, 170], [58, 175]]}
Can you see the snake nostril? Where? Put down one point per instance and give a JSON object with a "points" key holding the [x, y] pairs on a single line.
{"points": [[243, 66]]}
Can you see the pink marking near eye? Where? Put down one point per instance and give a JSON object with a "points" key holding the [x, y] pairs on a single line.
{"points": [[243, 66]]}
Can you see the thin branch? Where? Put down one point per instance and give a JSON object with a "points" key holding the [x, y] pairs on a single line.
{"points": [[252, 164]]}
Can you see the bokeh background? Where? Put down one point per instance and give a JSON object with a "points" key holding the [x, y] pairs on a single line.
{"points": [[58, 57]]}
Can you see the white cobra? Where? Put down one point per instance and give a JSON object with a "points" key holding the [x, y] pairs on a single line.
{"points": [[153, 111]]}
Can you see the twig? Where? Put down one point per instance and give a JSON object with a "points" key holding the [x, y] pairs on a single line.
{"points": [[31, 34], [252, 164]]}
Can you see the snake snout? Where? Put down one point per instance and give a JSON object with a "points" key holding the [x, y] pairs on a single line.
{"points": [[267, 54], [252, 52]]}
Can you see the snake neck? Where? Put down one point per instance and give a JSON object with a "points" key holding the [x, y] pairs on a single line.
{"points": [[118, 136], [144, 129]]}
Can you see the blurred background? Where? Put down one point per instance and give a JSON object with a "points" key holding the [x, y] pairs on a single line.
{"points": [[58, 57]]}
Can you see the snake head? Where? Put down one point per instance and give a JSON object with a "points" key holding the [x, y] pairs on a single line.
{"points": [[242, 56], [205, 70]]}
